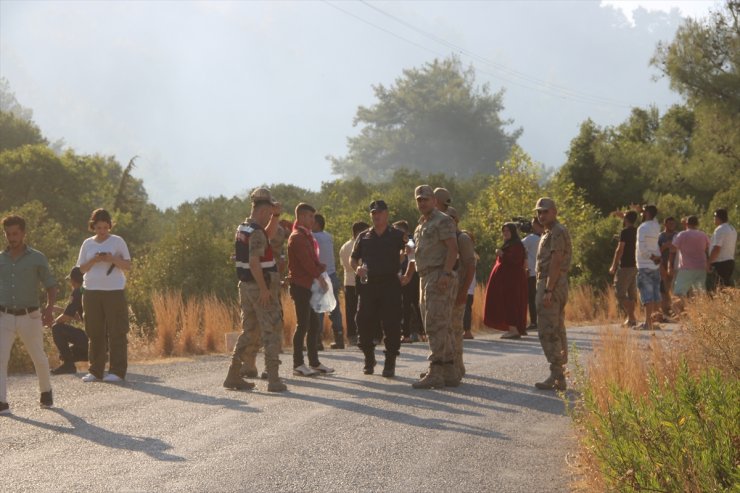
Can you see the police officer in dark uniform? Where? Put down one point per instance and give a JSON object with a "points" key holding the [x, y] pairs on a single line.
{"points": [[376, 259]]}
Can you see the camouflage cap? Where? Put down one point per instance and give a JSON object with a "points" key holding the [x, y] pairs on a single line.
{"points": [[261, 195], [452, 212], [424, 191], [443, 196], [545, 204]]}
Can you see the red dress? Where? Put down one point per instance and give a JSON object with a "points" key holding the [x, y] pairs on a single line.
{"points": [[506, 292]]}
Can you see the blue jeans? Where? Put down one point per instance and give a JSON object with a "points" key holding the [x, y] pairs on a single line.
{"points": [[648, 283], [336, 315]]}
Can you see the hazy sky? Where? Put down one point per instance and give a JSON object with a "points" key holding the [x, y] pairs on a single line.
{"points": [[218, 97]]}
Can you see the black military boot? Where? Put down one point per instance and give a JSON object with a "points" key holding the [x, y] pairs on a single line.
{"points": [[389, 367], [370, 362], [233, 380]]}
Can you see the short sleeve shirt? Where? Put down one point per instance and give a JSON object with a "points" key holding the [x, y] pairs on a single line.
{"points": [[98, 278], [628, 236], [278, 241], [257, 243], [664, 238], [725, 237], [381, 254], [531, 242], [74, 305], [429, 237], [693, 245], [557, 239], [20, 278]]}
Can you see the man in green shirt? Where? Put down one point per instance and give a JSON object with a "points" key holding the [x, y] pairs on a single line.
{"points": [[21, 270]]}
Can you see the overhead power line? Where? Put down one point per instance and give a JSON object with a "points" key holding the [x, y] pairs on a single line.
{"points": [[499, 70]]}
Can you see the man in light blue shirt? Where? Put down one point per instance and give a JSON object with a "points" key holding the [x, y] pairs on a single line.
{"points": [[326, 257]]}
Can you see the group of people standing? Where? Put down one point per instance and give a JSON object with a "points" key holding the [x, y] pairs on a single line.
{"points": [[98, 282], [667, 266]]}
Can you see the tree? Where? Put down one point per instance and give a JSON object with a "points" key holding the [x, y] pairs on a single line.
{"points": [[433, 119], [16, 132]]}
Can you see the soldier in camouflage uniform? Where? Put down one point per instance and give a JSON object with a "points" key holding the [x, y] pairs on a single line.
{"points": [[435, 256], [259, 287], [465, 268], [553, 262]]}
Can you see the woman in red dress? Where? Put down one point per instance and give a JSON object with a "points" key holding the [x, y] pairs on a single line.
{"points": [[506, 292]]}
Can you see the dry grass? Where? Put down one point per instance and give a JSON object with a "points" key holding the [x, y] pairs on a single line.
{"points": [[708, 338], [589, 306], [188, 338], [218, 319], [167, 307]]}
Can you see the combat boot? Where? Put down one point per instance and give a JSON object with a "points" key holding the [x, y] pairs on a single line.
{"points": [[450, 375], [370, 362], [233, 380], [433, 378], [389, 367], [556, 381], [274, 382], [249, 366]]}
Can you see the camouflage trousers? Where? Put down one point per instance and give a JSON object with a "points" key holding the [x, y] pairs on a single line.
{"points": [[436, 314], [458, 311], [261, 325], [551, 324]]}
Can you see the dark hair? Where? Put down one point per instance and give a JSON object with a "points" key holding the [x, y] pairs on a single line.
{"points": [[76, 275], [631, 217], [669, 218], [692, 221], [514, 235], [320, 221], [403, 225], [14, 220], [303, 207], [286, 224], [257, 204], [358, 228], [652, 210], [721, 214], [97, 216]]}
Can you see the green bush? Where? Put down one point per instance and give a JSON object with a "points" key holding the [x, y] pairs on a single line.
{"points": [[680, 437]]}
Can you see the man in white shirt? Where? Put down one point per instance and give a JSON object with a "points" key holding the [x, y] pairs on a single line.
{"points": [[326, 257], [647, 255], [722, 249], [531, 242], [350, 290]]}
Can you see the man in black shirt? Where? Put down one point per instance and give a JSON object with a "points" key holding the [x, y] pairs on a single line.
{"points": [[624, 268], [379, 291], [70, 341]]}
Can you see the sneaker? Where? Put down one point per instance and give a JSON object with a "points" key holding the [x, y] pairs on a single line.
{"points": [[322, 368], [112, 378], [90, 378], [65, 369], [304, 371], [4, 408], [46, 399]]}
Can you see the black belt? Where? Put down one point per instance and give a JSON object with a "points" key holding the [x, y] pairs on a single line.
{"points": [[19, 311]]}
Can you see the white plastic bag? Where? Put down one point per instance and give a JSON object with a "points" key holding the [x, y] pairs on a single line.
{"points": [[322, 301]]}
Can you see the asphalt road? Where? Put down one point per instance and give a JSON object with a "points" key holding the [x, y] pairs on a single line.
{"points": [[172, 427]]}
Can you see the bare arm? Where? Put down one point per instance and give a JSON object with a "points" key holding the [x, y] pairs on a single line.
{"points": [[617, 257]]}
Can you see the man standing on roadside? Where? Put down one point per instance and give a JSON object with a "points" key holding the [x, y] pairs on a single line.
{"points": [[624, 268], [693, 246], [350, 288], [376, 258], [553, 262], [647, 255], [21, 270], [531, 243], [465, 274], [722, 254], [665, 244], [326, 257], [259, 296], [434, 260]]}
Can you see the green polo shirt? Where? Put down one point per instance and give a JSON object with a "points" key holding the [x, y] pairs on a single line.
{"points": [[19, 278]]}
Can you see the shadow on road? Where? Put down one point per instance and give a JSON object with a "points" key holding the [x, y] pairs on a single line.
{"points": [[153, 447]]}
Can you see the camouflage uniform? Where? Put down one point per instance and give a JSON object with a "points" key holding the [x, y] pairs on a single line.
{"points": [[435, 304], [551, 321], [466, 258]]}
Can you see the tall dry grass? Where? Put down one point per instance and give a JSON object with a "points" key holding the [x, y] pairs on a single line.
{"points": [[189, 337], [218, 319], [167, 307], [591, 306]]}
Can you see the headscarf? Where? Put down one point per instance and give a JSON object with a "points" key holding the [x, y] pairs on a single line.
{"points": [[514, 235]]}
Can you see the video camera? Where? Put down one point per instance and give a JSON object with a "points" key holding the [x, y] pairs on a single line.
{"points": [[523, 223]]}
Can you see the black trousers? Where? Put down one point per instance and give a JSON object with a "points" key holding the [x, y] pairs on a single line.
{"points": [[410, 307], [724, 272], [468, 313], [307, 324], [531, 295], [350, 309], [70, 341], [380, 305]]}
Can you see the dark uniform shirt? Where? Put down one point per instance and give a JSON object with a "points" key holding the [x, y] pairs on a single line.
{"points": [[74, 306], [381, 254], [629, 237]]}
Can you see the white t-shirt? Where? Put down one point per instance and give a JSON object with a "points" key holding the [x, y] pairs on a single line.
{"points": [[97, 278], [344, 257], [725, 237], [647, 244], [531, 242], [473, 283]]}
